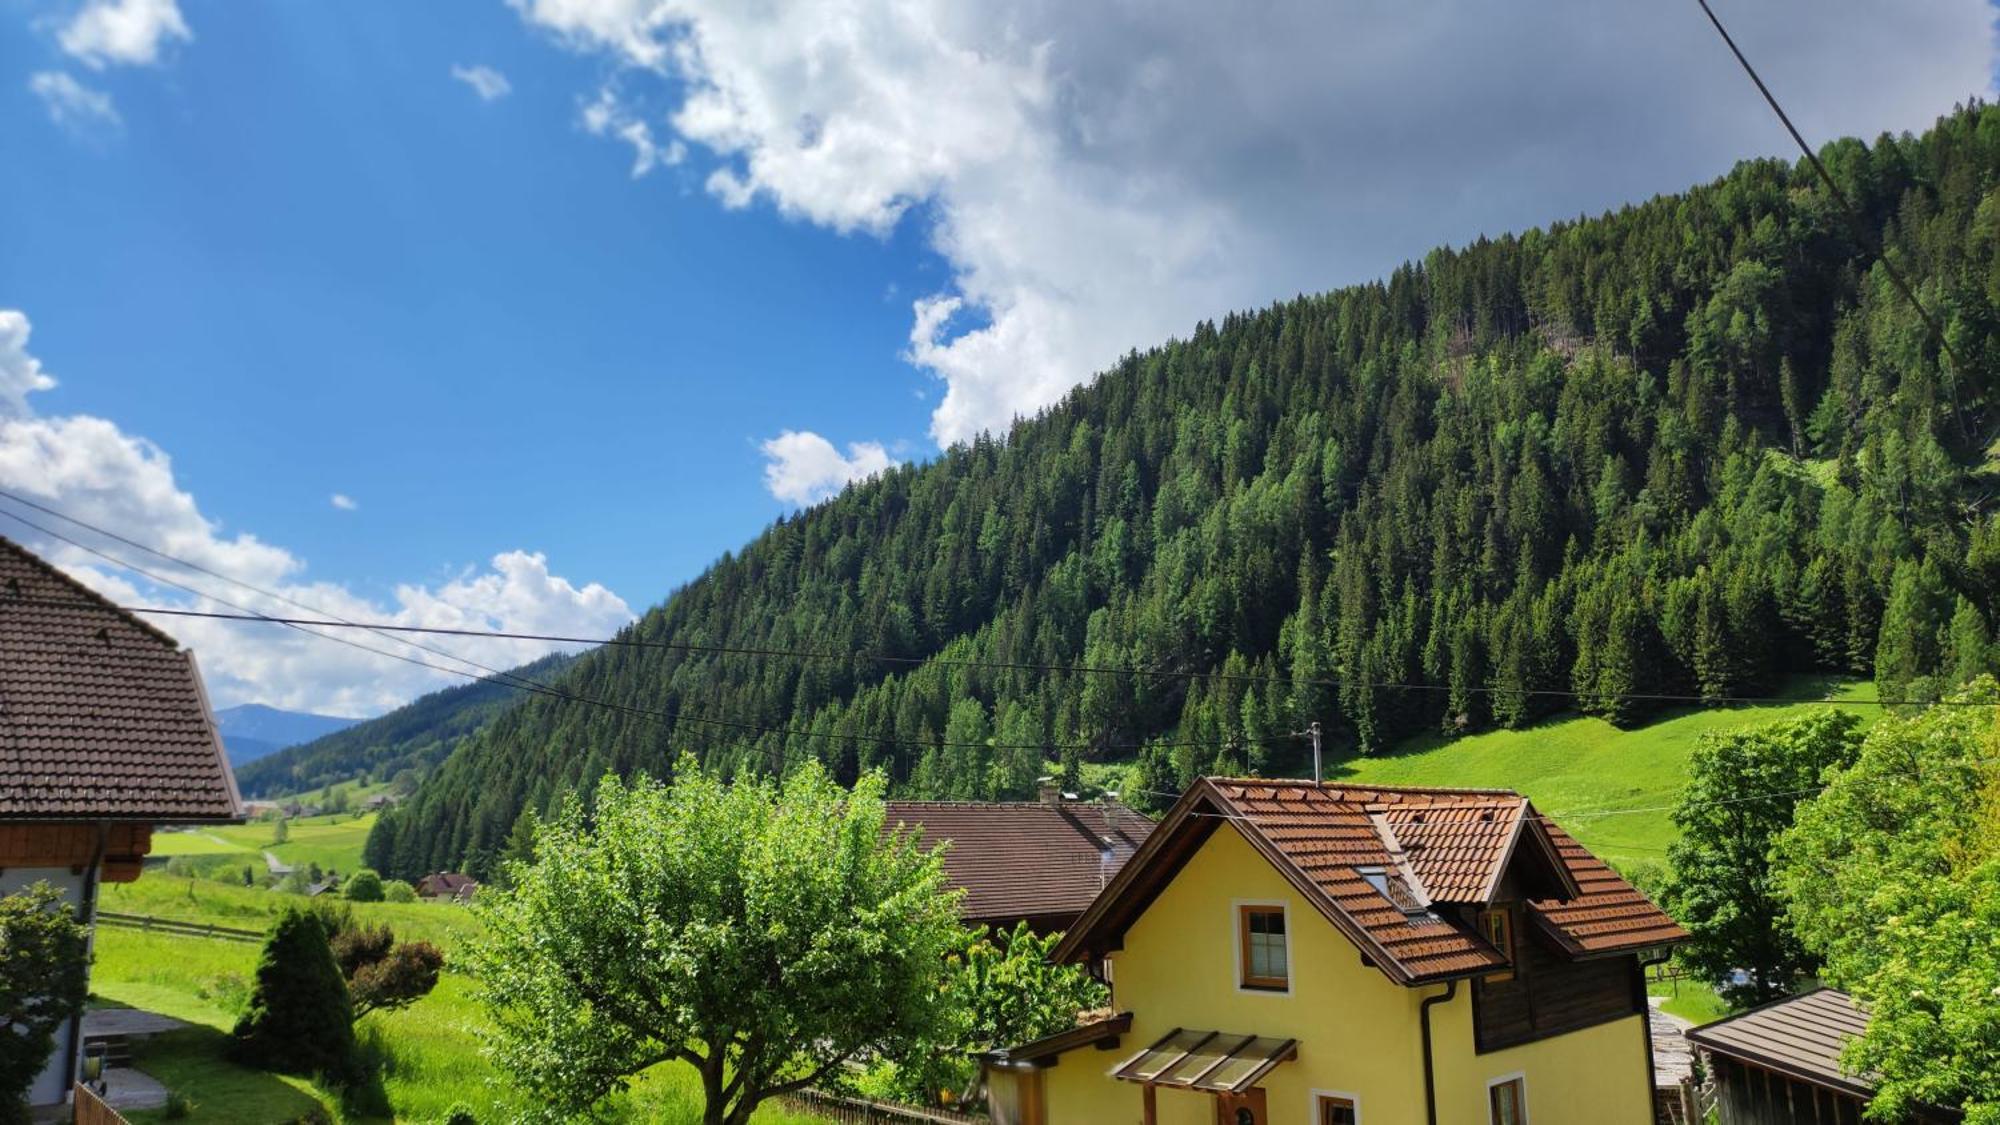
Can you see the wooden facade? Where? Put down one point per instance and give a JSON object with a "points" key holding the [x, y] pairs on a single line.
{"points": [[1547, 994], [120, 847]]}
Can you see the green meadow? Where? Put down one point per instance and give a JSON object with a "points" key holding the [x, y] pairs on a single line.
{"points": [[1613, 789], [431, 1057]]}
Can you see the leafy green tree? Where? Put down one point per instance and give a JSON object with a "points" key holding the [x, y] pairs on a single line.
{"points": [[363, 886], [282, 830], [1741, 790], [1893, 876], [1000, 990], [398, 890], [299, 1020], [765, 934], [43, 967]]}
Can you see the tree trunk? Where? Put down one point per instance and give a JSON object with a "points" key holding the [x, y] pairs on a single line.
{"points": [[714, 1108]]}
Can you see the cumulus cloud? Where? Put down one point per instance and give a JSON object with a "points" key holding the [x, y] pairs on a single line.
{"points": [[804, 468], [343, 501], [73, 105], [1101, 177], [488, 83], [123, 32], [91, 469], [607, 115]]}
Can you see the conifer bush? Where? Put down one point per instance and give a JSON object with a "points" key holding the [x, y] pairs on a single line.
{"points": [[299, 1020]]}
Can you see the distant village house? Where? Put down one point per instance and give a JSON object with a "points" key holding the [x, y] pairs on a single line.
{"points": [[105, 735], [448, 886], [1039, 862]]}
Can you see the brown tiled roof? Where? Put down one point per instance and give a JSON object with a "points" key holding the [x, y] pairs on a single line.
{"points": [[1800, 1036], [1026, 860], [1609, 915], [101, 715], [1387, 866]]}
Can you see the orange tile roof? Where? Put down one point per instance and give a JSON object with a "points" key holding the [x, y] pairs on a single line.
{"points": [[1388, 866], [101, 715]]}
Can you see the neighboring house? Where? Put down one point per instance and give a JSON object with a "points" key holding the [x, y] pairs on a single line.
{"points": [[1039, 862], [105, 734], [448, 885], [1286, 953], [1779, 1064], [378, 802]]}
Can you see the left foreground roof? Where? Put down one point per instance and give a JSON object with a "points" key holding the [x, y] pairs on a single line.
{"points": [[102, 716]]}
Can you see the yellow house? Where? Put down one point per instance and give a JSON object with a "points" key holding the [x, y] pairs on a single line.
{"points": [[1291, 953]]}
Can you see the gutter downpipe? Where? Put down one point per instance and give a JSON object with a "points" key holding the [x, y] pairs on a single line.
{"points": [[87, 914], [1430, 1075]]}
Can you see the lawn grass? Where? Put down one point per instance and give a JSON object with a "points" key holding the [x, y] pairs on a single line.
{"points": [[1613, 789], [431, 1050], [1689, 999], [333, 841]]}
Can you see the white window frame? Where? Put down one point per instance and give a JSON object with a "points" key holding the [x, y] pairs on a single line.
{"points": [[1312, 1103], [1520, 1076], [1284, 906]]}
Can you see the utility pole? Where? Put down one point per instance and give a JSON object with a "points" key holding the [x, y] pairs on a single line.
{"points": [[1312, 732]]}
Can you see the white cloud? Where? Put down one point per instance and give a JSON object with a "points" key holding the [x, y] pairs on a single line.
{"points": [[488, 83], [1101, 177], [343, 501], [805, 468], [123, 32], [73, 105], [91, 469], [608, 116], [20, 373]]}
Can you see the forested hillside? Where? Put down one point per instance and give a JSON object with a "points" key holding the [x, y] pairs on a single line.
{"points": [[413, 737], [1689, 447]]}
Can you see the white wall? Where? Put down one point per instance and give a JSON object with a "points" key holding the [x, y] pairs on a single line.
{"points": [[49, 1088]]}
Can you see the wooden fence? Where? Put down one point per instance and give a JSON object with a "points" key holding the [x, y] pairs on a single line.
{"points": [[861, 1111], [177, 927], [89, 1109]]}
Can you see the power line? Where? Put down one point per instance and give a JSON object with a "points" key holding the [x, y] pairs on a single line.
{"points": [[1853, 213], [331, 621], [1083, 669], [521, 683]]}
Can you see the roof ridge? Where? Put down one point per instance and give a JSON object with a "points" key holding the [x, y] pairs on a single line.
{"points": [[1308, 783], [53, 571]]}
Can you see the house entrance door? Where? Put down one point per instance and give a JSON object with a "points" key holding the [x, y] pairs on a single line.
{"points": [[1246, 1108]]}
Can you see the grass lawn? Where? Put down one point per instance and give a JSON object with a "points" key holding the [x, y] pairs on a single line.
{"points": [[431, 1049], [1611, 788], [194, 842], [1691, 1000]]}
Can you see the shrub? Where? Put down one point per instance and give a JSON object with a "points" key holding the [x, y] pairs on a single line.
{"points": [[405, 976], [355, 947], [178, 1106], [396, 890], [365, 886], [42, 984], [299, 1020], [459, 1114]]}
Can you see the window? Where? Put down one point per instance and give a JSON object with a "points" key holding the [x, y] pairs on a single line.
{"points": [[1498, 927], [1265, 960], [1335, 1109], [1509, 1100]]}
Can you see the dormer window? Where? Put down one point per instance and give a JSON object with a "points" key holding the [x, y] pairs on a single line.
{"points": [[1263, 947]]}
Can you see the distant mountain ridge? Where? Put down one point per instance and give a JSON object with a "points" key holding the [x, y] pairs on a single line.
{"points": [[413, 737], [254, 730]]}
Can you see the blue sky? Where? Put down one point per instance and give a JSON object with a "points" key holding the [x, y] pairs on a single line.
{"points": [[548, 337]]}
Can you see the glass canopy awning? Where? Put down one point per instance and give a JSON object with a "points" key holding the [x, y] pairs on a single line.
{"points": [[1220, 1062]]}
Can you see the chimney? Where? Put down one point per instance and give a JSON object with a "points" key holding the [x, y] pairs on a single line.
{"points": [[1047, 791]]}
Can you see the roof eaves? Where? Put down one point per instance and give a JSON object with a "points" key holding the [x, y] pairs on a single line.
{"points": [[237, 812]]}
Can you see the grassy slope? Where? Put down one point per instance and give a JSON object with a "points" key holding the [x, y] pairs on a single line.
{"points": [[432, 1047], [1611, 788], [334, 842]]}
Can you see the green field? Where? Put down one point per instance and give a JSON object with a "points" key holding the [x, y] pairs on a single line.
{"points": [[1611, 788], [333, 841], [431, 1050]]}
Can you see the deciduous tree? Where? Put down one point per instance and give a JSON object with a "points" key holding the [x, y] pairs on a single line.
{"points": [[42, 984], [763, 933]]}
